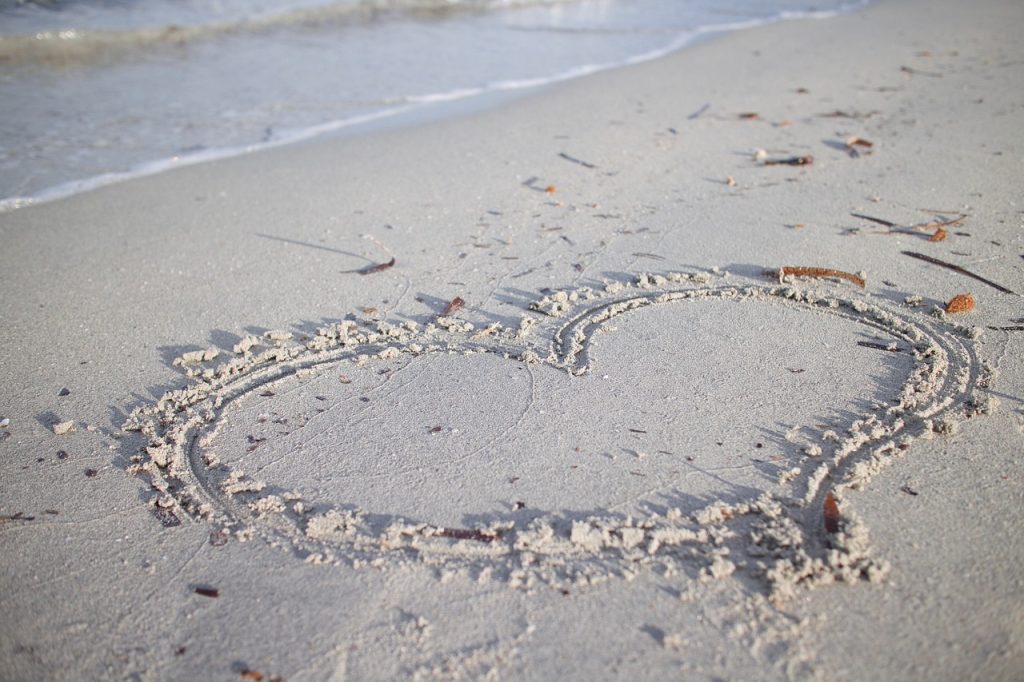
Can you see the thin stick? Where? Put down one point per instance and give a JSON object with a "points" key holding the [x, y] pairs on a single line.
{"points": [[790, 161], [877, 346], [468, 534], [918, 72], [880, 221], [376, 267], [957, 268], [585, 164], [696, 114]]}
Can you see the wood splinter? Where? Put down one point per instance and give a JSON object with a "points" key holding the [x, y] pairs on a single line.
{"points": [[468, 534], [798, 271], [790, 161], [377, 267]]}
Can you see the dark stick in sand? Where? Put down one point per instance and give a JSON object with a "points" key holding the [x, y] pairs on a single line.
{"points": [[957, 268]]}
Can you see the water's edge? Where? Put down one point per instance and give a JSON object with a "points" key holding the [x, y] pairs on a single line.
{"points": [[411, 112]]}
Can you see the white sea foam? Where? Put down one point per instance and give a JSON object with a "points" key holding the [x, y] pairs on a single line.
{"points": [[132, 110]]}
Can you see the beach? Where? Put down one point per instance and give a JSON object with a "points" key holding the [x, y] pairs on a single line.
{"points": [[662, 372]]}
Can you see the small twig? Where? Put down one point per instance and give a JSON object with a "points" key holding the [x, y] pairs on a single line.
{"points": [[879, 346], [880, 221], [957, 268], [585, 164], [375, 267], [847, 114], [938, 225], [918, 72], [468, 534], [695, 115], [799, 271], [17, 516], [790, 161]]}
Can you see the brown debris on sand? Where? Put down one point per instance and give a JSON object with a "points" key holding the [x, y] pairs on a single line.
{"points": [[454, 305], [961, 303], [377, 267], [800, 271], [831, 512], [790, 161]]}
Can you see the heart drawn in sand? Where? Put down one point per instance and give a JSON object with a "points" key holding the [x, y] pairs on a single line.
{"points": [[667, 423]]}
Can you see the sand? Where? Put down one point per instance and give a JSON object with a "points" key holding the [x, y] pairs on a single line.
{"points": [[239, 445]]}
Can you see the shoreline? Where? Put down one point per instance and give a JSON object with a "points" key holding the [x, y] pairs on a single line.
{"points": [[416, 111], [510, 393]]}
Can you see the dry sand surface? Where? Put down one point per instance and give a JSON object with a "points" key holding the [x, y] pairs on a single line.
{"points": [[523, 393]]}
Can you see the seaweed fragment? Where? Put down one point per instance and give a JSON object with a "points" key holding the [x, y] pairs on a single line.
{"points": [[800, 271]]}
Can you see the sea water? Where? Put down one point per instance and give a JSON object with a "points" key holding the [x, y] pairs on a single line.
{"points": [[96, 91]]}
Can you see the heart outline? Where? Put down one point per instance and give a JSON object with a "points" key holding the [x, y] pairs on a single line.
{"points": [[552, 548]]}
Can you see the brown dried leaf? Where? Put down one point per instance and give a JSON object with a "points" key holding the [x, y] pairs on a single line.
{"points": [[854, 141], [940, 235], [455, 304], [961, 303]]}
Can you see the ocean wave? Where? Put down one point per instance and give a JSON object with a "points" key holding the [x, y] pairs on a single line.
{"points": [[60, 38], [362, 105]]}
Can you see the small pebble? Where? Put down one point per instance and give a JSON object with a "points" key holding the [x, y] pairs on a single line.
{"points": [[63, 427]]}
